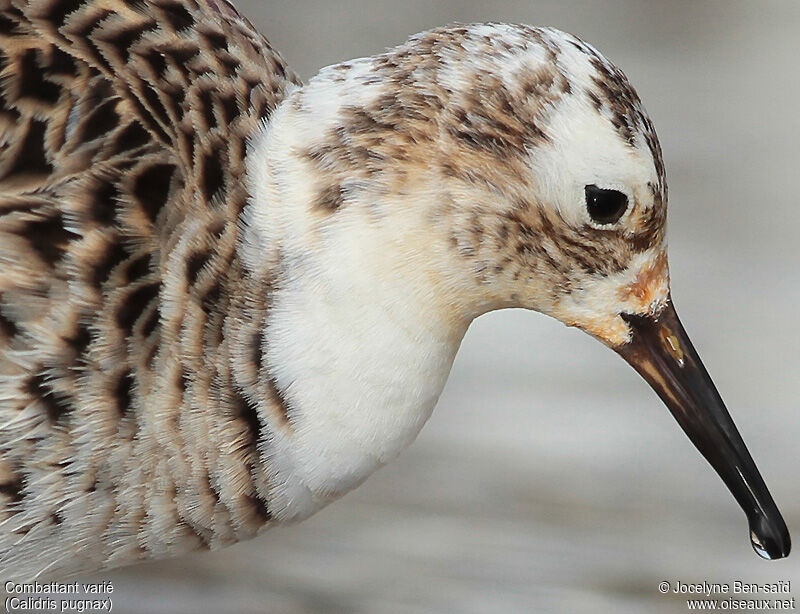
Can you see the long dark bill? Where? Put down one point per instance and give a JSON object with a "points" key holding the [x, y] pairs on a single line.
{"points": [[662, 353]]}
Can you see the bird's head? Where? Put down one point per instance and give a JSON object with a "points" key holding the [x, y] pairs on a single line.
{"points": [[487, 166]]}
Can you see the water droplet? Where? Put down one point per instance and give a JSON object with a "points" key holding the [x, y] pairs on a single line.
{"points": [[759, 547]]}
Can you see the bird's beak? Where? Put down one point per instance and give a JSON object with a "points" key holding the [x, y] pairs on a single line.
{"points": [[662, 353]]}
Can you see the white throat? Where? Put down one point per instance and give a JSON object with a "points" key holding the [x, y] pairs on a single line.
{"points": [[356, 338]]}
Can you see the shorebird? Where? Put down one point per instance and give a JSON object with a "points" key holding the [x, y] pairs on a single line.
{"points": [[227, 297]]}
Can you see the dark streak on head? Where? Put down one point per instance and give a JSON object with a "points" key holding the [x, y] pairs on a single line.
{"points": [[330, 198], [615, 97], [13, 490]]}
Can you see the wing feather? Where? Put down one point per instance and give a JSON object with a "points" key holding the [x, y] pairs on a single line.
{"points": [[123, 130]]}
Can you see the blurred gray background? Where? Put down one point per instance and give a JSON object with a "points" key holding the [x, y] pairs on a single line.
{"points": [[550, 478]]}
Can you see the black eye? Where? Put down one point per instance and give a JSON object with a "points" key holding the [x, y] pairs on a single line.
{"points": [[605, 206]]}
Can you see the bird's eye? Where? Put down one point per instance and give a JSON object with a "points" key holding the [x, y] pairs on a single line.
{"points": [[605, 206]]}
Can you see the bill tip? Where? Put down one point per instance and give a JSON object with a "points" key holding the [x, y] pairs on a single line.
{"points": [[768, 541]]}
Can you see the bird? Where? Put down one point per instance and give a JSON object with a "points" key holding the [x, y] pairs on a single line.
{"points": [[228, 296]]}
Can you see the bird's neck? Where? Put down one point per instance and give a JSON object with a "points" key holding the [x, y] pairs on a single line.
{"points": [[351, 371], [360, 328]]}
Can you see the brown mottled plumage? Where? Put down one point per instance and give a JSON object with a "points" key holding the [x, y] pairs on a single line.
{"points": [[123, 128]]}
